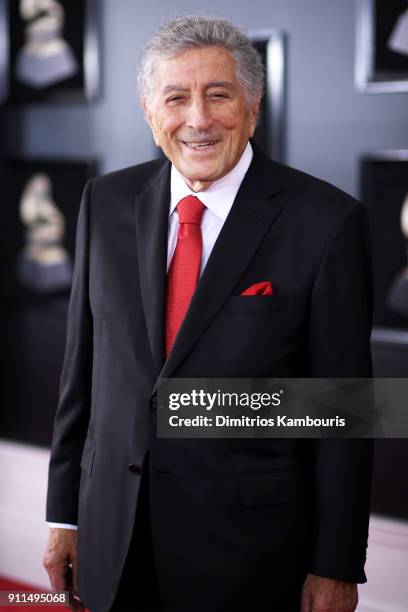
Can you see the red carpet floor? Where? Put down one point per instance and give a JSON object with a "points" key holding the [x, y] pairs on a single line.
{"points": [[9, 585]]}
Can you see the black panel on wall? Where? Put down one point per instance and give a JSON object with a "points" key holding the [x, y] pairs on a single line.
{"points": [[34, 345], [390, 481], [40, 220], [270, 133], [390, 478], [4, 184], [386, 60], [74, 18], [384, 187]]}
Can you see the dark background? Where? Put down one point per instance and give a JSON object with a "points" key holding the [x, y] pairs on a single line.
{"points": [[384, 189], [33, 325], [73, 34]]}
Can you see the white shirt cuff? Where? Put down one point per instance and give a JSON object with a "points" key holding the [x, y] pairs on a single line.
{"points": [[62, 525]]}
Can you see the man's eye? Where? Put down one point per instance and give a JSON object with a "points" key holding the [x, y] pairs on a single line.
{"points": [[219, 95], [174, 99]]}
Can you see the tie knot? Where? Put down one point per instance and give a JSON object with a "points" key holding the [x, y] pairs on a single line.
{"points": [[190, 210]]}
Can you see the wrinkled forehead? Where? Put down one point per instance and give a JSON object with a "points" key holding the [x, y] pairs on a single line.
{"points": [[195, 68]]}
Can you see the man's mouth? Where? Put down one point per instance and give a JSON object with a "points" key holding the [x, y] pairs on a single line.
{"points": [[203, 145]]}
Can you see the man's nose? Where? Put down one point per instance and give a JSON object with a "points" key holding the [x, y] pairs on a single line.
{"points": [[199, 115]]}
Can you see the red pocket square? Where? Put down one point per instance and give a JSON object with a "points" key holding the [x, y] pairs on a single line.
{"points": [[263, 288]]}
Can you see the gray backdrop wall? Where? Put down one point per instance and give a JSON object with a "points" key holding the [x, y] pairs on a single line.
{"points": [[329, 124]]}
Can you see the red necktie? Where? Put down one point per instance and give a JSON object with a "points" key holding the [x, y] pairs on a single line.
{"points": [[184, 270]]}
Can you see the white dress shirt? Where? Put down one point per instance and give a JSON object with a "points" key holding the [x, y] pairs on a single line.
{"points": [[218, 200]]}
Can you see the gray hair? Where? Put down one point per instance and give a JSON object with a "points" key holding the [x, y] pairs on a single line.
{"points": [[195, 31]]}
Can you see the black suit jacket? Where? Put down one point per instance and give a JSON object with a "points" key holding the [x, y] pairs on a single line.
{"points": [[236, 522]]}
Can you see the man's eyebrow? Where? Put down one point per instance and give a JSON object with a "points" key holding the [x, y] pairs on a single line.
{"points": [[226, 84], [175, 87], [179, 87]]}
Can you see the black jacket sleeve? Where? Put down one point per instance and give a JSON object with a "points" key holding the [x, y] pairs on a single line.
{"points": [[339, 347], [72, 417]]}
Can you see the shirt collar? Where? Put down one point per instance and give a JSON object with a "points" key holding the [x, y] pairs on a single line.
{"points": [[220, 196]]}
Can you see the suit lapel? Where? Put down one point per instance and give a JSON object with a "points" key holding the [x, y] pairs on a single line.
{"points": [[152, 216], [249, 219]]}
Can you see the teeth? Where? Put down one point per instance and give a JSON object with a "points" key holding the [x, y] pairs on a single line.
{"points": [[199, 145]]}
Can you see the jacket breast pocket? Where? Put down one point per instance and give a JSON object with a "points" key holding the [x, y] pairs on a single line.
{"points": [[88, 456], [259, 303], [272, 488]]}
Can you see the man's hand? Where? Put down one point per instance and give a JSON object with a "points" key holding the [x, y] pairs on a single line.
{"points": [[326, 595], [60, 561]]}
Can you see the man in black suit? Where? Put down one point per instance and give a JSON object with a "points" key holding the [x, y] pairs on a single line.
{"points": [[166, 253]]}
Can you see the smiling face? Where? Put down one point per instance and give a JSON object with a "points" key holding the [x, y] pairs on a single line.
{"points": [[199, 114]]}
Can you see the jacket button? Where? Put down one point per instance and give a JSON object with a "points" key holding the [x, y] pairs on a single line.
{"points": [[153, 402], [134, 468]]}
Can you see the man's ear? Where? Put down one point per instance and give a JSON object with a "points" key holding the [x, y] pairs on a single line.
{"points": [[149, 118], [254, 114]]}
